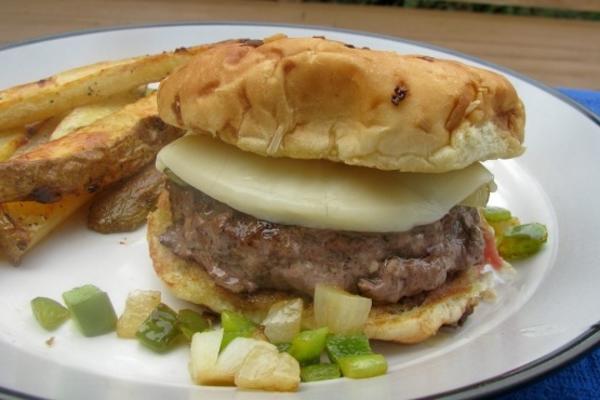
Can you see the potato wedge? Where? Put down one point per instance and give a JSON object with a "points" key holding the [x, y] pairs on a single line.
{"points": [[89, 159], [10, 141], [24, 224], [90, 113], [37, 134], [124, 206], [35, 101]]}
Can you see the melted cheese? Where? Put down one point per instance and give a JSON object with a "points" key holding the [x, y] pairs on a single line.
{"points": [[316, 193]]}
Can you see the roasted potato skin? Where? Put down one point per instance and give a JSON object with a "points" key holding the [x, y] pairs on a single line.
{"points": [[35, 101], [13, 241], [124, 206], [10, 141], [23, 224], [90, 159], [36, 135]]}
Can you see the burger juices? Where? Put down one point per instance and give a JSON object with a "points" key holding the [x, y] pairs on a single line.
{"points": [[309, 161]]}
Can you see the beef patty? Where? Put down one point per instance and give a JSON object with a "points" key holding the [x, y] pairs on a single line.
{"points": [[245, 254]]}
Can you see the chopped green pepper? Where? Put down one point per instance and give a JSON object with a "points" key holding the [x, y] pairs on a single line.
{"points": [[319, 372], [310, 361], [363, 366], [496, 214], [282, 347], [339, 346], [160, 330], [285, 347], [522, 240], [49, 313], [501, 226], [191, 322], [307, 346], [235, 325], [91, 309]]}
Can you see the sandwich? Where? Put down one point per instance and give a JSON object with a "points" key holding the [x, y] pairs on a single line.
{"points": [[308, 161]]}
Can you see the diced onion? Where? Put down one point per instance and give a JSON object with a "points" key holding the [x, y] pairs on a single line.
{"points": [[283, 321], [208, 367], [138, 307], [204, 354], [339, 310], [232, 357], [267, 369]]}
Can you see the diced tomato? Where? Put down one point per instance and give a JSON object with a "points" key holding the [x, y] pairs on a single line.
{"points": [[491, 252]]}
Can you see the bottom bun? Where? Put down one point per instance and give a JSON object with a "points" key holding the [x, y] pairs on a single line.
{"points": [[412, 320]]}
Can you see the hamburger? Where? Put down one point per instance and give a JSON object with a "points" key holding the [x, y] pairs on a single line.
{"points": [[311, 161]]}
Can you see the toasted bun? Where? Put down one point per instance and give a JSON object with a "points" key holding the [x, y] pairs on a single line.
{"points": [[313, 98], [405, 322]]}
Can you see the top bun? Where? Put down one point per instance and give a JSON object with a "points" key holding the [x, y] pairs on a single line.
{"points": [[314, 98]]}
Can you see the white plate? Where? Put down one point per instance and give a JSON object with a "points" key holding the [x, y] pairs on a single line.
{"points": [[542, 318]]}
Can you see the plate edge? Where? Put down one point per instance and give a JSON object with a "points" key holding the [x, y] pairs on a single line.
{"points": [[530, 372]]}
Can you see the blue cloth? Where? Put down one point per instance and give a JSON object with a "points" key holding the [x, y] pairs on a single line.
{"points": [[580, 380], [589, 98]]}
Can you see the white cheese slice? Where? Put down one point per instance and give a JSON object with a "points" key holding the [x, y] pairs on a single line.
{"points": [[316, 193]]}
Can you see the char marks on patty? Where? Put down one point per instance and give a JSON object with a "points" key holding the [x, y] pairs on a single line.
{"points": [[244, 254]]}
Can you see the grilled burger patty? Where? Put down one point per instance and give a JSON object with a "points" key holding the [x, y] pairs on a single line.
{"points": [[244, 254]]}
